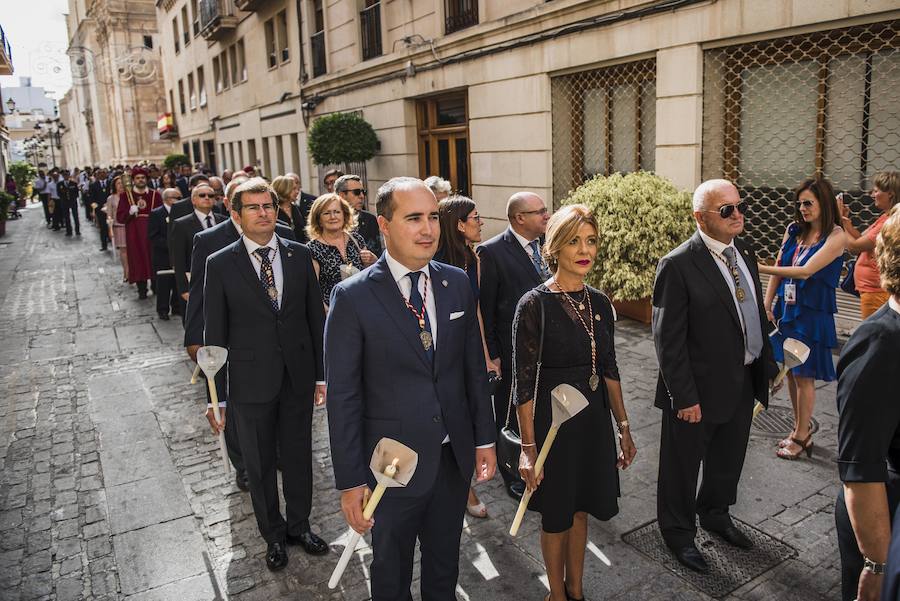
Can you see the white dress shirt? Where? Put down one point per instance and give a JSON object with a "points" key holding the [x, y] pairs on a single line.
{"points": [[274, 258], [892, 302], [401, 276], [203, 217], [526, 244], [715, 247]]}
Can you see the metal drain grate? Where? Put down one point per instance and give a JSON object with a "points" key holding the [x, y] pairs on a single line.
{"points": [[729, 567], [777, 422]]}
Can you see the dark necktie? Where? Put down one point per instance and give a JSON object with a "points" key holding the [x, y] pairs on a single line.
{"points": [[536, 258], [209, 225], [267, 276], [415, 300], [753, 341]]}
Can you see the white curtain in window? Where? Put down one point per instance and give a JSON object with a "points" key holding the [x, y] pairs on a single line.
{"points": [[845, 98], [624, 128], [884, 119], [594, 143]]}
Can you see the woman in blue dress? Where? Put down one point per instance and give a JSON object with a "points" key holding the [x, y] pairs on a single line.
{"points": [[800, 298], [460, 232]]}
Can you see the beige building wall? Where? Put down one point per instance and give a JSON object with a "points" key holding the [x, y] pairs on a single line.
{"points": [[117, 93]]}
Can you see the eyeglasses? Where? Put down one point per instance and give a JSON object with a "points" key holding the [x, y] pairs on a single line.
{"points": [[268, 207], [475, 217], [541, 211], [725, 211], [357, 192], [806, 204]]}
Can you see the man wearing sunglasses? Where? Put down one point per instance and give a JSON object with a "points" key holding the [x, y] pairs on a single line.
{"points": [[715, 360], [350, 188], [203, 197]]}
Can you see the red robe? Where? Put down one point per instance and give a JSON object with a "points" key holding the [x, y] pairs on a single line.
{"points": [[137, 244]]}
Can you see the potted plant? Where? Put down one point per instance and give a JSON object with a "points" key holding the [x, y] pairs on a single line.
{"points": [[175, 160], [23, 173], [342, 138], [641, 217], [5, 200]]}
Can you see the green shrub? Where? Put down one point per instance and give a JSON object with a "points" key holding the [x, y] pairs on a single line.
{"points": [[23, 173], [173, 161], [5, 200], [641, 217], [341, 138]]}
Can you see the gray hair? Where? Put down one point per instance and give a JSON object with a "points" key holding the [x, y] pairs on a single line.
{"points": [[384, 200], [171, 191], [340, 184], [253, 185], [707, 190], [438, 184], [203, 184], [215, 179]]}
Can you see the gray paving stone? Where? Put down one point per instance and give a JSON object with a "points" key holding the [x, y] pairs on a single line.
{"points": [[158, 555], [128, 463], [147, 501], [195, 587]]}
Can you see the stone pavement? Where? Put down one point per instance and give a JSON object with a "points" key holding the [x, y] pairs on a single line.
{"points": [[111, 486]]}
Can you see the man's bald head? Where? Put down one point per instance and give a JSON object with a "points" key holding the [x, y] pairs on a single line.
{"points": [[520, 201], [708, 192]]}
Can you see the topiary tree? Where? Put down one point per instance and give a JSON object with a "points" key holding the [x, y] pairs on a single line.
{"points": [[341, 138], [23, 174], [641, 217], [175, 160]]}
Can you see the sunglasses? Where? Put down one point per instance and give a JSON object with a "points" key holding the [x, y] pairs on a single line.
{"points": [[206, 195], [806, 204], [726, 211], [358, 192]]}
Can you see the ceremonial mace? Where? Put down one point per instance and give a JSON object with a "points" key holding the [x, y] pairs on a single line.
{"points": [[211, 359], [393, 464], [127, 183], [795, 354], [565, 402]]}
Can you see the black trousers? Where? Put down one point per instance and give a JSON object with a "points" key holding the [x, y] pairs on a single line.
{"points": [[435, 518], [87, 208], [70, 214], [286, 421], [721, 448], [104, 229], [166, 295], [56, 215], [45, 201], [851, 557]]}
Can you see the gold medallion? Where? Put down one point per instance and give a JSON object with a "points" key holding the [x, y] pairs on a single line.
{"points": [[142, 204], [594, 381], [740, 294], [426, 339], [273, 293]]}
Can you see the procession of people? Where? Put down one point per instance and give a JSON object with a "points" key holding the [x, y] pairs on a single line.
{"points": [[408, 328]]}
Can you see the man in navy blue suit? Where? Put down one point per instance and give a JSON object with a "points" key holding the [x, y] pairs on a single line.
{"points": [[404, 360]]}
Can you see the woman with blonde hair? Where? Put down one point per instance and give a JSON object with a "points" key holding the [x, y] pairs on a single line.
{"points": [[563, 333], [286, 189], [338, 252], [885, 194]]}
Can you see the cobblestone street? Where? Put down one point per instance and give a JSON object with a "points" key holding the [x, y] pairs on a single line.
{"points": [[111, 484]]}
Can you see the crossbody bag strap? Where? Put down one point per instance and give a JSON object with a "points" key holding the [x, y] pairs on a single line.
{"points": [[537, 375]]}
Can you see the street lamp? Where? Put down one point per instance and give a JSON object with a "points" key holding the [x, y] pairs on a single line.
{"points": [[51, 130], [11, 105]]}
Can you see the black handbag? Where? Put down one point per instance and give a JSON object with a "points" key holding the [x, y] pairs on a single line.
{"points": [[848, 284], [509, 444]]}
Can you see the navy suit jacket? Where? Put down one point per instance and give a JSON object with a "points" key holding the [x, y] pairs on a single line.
{"points": [[158, 234], [381, 383], [264, 344], [182, 243], [507, 273], [206, 243]]}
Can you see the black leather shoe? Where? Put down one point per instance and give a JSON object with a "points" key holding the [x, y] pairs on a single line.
{"points": [[241, 481], [732, 536], [691, 557], [516, 489], [311, 543], [276, 556], [163, 316]]}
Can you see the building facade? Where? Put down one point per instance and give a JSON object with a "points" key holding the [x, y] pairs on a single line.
{"points": [[117, 93], [542, 95], [6, 68], [30, 105]]}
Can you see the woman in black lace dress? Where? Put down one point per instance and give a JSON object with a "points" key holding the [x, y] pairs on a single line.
{"points": [[580, 474]]}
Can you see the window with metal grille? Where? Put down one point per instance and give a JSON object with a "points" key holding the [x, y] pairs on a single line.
{"points": [[778, 111], [459, 14], [370, 29], [604, 121]]}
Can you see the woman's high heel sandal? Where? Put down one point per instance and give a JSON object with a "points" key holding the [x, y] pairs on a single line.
{"points": [[805, 446]]}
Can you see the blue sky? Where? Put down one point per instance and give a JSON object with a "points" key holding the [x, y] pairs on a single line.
{"points": [[36, 29]]}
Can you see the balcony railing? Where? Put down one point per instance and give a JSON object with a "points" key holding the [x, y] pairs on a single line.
{"points": [[6, 66], [317, 43], [370, 30], [460, 14], [217, 18]]}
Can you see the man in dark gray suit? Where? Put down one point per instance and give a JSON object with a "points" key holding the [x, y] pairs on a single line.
{"points": [[404, 360], [262, 302], [709, 327], [511, 265]]}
